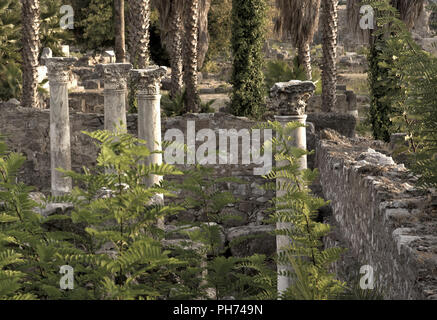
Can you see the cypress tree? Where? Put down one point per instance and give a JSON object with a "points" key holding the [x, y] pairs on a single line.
{"points": [[248, 95]]}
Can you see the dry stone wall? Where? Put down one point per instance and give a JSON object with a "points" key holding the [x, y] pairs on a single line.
{"points": [[380, 216]]}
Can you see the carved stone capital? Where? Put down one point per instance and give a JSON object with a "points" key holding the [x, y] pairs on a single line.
{"points": [[59, 69], [290, 98], [115, 75], [148, 81]]}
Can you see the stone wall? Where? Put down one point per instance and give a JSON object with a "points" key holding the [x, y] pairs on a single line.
{"points": [[379, 215]]}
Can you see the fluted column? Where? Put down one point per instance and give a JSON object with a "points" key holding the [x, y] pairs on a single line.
{"points": [[60, 154], [290, 99], [115, 78], [148, 82]]}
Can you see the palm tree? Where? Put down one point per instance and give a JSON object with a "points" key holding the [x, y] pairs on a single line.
{"points": [[138, 40], [30, 11], [172, 30], [120, 42], [170, 20], [191, 15], [203, 39], [298, 20], [329, 44]]}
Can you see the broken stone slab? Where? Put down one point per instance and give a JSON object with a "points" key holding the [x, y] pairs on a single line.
{"points": [[109, 56], [374, 158], [46, 53], [54, 208], [65, 50], [248, 240], [182, 243], [13, 103], [403, 238]]}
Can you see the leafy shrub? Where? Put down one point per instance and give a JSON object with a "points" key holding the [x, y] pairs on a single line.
{"points": [[297, 209], [97, 24], [408, 88], [282, 71]]}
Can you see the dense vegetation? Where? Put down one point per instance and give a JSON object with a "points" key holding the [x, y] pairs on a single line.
{"points": [[113, 241], [403, 81]]}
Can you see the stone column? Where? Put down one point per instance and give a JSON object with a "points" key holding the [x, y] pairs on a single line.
{"points": [[290, 99], [115, 77], [60, 154], [148, 82]]}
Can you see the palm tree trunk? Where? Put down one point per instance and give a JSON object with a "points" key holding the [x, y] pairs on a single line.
{"points": [[30, 11], [203, 41], [120, 44], [139, 21], [329, 44], [176, 30], [191, 14], [304, 59]]}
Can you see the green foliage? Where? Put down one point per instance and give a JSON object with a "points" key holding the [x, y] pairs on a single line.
{"points": [[111, 238], [29, 255], [219, 29], [116, 256], [282, 71], [97, 24], [10, 72], [409, 90], [174, 107], [380, 84], [242, 278], [10, 41], [249, 20], [52, 35], [206, 193], [297, 209]]}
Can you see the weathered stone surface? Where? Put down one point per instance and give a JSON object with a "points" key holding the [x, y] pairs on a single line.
{"points": [[248, 240], [290, 98], [380, 216], [13, 102], [54, 208], [92, 84], [148, 80], [344, 124]]}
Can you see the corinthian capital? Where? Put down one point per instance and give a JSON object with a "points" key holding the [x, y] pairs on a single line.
{"points": [[290, 98], [115, 75], [148, 81], [59, 68]]}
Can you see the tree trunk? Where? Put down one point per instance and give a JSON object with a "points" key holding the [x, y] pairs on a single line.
{"points": [[329, 44], [304, 59], [120, 45], [191, 15], [30, 12], [203, 41], [139, 21], [176, 53]]}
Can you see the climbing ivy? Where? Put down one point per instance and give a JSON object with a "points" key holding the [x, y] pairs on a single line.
{"points": [[248, 31]]}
